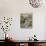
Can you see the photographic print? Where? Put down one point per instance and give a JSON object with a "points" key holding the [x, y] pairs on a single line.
{"points": [[26, 20]]}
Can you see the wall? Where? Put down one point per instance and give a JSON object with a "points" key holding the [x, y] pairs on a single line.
{"points": [[13, 8]]}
